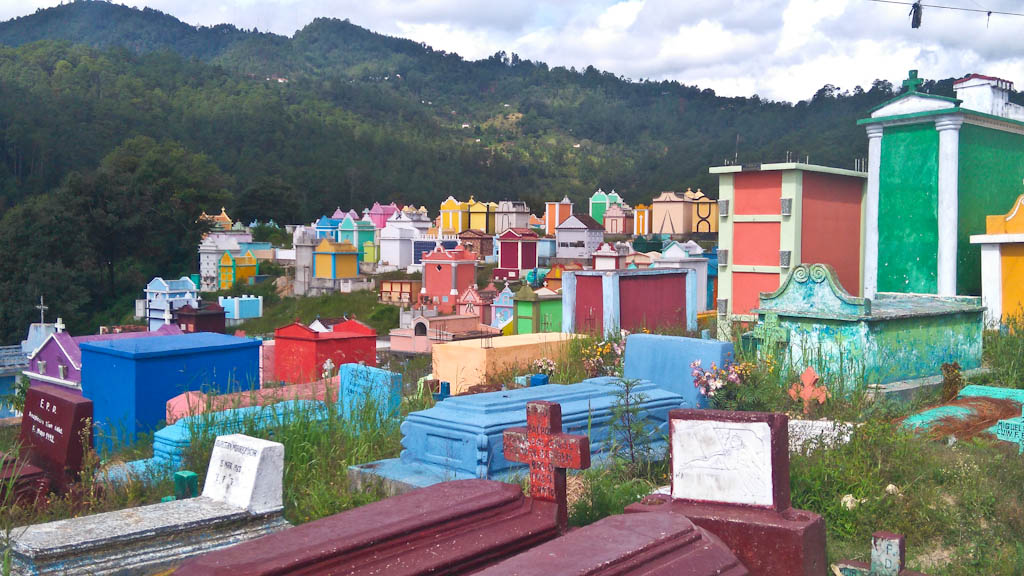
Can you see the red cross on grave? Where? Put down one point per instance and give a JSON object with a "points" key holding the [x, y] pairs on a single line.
{"points": [[549, 452]]}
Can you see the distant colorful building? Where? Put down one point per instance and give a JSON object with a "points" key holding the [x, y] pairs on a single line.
{"points": [[334, 260], [221, 222], [237, 270], [477, 242], [165, 297], [511, 214], [600, 201], [641, 220], [578, 236], [446, 275], [537, 311], [481, 215], [618, 219], [555, 213], [476, 302], [517, 252]]}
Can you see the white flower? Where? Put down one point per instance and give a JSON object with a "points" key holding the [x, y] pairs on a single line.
{"points": [[850, 502], [892, 490]]}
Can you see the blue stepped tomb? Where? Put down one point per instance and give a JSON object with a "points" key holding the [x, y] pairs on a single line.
{"points": [[461, 436]]}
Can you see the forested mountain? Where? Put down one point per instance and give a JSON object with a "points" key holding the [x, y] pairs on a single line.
{"points": [[115, 106]]}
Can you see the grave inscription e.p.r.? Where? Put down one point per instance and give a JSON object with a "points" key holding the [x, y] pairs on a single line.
{"points": [[52, 428], [246, 472]]}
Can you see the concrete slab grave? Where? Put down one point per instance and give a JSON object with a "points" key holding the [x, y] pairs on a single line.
{"points": [[241, 500], [665, 361]]}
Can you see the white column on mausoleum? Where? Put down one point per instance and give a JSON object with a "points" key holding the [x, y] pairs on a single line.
{"points": [[948, 204], [871, 211]]}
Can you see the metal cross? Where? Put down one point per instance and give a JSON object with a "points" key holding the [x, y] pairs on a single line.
{"points": [[549, 452], [912, 82], [42, 310]]}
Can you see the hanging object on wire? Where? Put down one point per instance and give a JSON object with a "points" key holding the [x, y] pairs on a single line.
{"points": [[915, 14]]}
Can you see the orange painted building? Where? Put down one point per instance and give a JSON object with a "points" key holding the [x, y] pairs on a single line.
{"points": [[776, 216], [555, 213]]}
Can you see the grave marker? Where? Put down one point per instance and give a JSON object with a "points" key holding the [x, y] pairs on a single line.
{"points": [[888, 558], [148, 539], [246, 472], [52, 428], [548, 451], [1012, 430], [730, 476]]}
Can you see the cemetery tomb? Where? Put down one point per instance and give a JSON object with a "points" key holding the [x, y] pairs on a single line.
{"points": [[676, 255], [461, 436], [888, 558], [468, 363], [603, 302], [517, 252], [300, 351], [894, 340], [58, 359], [937, 167], [53, 428], [238, 309], [730, 476], [578, 236], [628, 545], [130, 381], [207, 317], [353, 388], [241, 500], [1002, 265], [965, 408], [774, 217], [665, 361], [537, 311], [451, 528]]}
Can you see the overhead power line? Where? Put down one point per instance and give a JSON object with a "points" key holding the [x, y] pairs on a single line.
{"points": [[981, 10]]}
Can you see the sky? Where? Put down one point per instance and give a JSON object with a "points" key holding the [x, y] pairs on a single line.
{"points": [[777, 49]]}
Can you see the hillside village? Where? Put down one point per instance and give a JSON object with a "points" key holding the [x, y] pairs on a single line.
{"points": [[799, 369]]}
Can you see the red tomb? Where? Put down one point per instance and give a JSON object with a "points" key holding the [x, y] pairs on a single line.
{"points": [[300, 352]]}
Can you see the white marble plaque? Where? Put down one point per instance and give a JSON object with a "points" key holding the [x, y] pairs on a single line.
{"points": [[724, 462], [246, 472]]}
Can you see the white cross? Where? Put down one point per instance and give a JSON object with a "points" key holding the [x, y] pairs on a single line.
{"points": [[59, 325]]}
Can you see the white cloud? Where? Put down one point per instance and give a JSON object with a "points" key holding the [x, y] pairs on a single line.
{"points": [[780, 49]]}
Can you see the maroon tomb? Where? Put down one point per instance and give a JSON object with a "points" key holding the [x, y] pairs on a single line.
{"points": [[755, 520], [52, 425], [449, 528]]}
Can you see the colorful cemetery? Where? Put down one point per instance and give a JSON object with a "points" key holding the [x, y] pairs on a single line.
{"points": [[602, 302], [477, 302], [641, 220], [130, 380], [537, 310], [578, 236], [503, 310], [480, 216], [357, 233], [304, 354], [609, 257], [938, 166], [892, 342], [1002, 265], [237, 270], [428, 330], [774, 217], [517, 253]]}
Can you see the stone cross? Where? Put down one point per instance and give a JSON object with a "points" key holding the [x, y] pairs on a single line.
{"points": [[548, 452], [1012, 430], [59, 326], [770, 333], [912, 81]]}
